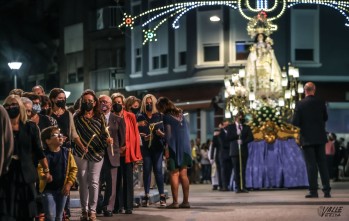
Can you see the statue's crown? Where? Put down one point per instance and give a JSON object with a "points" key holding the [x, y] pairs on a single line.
{"points": [[260, 25]]}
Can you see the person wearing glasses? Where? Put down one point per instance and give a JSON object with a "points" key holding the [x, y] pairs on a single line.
{"points": [[91, 126], [112, 156], [66, 124], [63, 170], [17, 187]]}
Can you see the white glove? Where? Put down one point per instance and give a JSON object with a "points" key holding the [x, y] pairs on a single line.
{"points": [[238, 132], [239, 142]]}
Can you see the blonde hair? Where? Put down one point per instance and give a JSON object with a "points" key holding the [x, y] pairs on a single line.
{"points": [[22, 111], [144, 103], [115, 95]]}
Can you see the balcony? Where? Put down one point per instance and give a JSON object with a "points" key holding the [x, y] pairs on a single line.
{"points": [[108, 79]]}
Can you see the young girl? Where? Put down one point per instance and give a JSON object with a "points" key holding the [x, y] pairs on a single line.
{"points": [[63, 169]]}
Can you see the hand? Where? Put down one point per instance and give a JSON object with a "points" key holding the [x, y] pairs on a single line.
{"points": [[48, 177], [122, 149], [160, 133], [110, 140], [147, 137], [167, 153], [142, 123], [84, 149], [238, 132], [239, 142], [66, 189]]}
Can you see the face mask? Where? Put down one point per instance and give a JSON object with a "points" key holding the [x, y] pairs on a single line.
{"points": [[45, 111], [104, 107], [86, 106], [60, 103], [135, 110], [13, 112], [36, 108], [149, 107], [117, 107]]}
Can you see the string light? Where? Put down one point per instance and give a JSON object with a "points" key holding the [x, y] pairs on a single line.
{"points": [[178, 10]]}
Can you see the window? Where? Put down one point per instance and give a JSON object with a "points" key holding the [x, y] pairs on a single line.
{"points": [[211, 53], [182, 58], [304, 54], [73, 38], [156, 64], [305, 37], [138, 64], [163, 60], [160, 61], [242, 49], [138, 61]]}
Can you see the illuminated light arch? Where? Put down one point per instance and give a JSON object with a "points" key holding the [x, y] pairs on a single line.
{"points": [[178, 10], [341, 6]]}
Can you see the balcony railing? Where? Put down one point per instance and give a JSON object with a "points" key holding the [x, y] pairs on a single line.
{"points": [[108, 79]]}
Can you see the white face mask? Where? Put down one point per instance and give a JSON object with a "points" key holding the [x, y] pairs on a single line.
{"points": [[104, 107], [36, 108]]}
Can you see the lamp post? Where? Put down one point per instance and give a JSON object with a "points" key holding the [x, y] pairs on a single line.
{"points": [[15, 66]]}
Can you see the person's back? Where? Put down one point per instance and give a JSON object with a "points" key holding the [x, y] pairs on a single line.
{"points": [[310, 116]]}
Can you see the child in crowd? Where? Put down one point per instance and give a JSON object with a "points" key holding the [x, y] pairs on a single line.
{"points": [[63, 169]]}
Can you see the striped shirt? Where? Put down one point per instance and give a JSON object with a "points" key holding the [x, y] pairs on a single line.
{"points": [[86, 128]]}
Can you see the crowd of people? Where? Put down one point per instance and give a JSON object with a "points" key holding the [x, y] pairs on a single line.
{"points": [[47, 148]]}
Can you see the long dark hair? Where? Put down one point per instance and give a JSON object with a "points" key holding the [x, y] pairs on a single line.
{"points": [[54, 94], [96, 109], [166, 106]]}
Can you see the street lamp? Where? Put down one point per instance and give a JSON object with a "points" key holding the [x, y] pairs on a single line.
{"points": [[15, 66]]}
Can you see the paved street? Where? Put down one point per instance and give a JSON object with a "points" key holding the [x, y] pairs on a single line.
{"points": [[285, 205]]}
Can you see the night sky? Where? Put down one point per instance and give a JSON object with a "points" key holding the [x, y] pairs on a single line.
{"points": [[29, 34]]}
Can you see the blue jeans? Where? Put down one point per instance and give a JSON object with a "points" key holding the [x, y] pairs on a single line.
{"points": [[152, 158], [54, 202]]}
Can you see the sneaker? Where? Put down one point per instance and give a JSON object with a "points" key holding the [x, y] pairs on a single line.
{"points": [[163, 201]]}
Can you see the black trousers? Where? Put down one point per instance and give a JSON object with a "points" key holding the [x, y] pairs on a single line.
{"points": [[315, 159], [226, 170], [236, 167], [124, 186]]}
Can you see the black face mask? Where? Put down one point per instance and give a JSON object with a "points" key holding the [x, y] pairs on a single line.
{"points": [[149, 107], [86, 106], [45, 111], [135, 110], [13, 112], [60, 103], [117, 107]]}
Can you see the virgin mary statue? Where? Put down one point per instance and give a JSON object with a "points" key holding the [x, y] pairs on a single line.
{"points": [[263, 73]]}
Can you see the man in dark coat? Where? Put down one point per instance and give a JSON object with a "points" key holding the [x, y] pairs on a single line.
{"points": [[239, 135], [112, 159], [310, 116], [224, 159]]}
